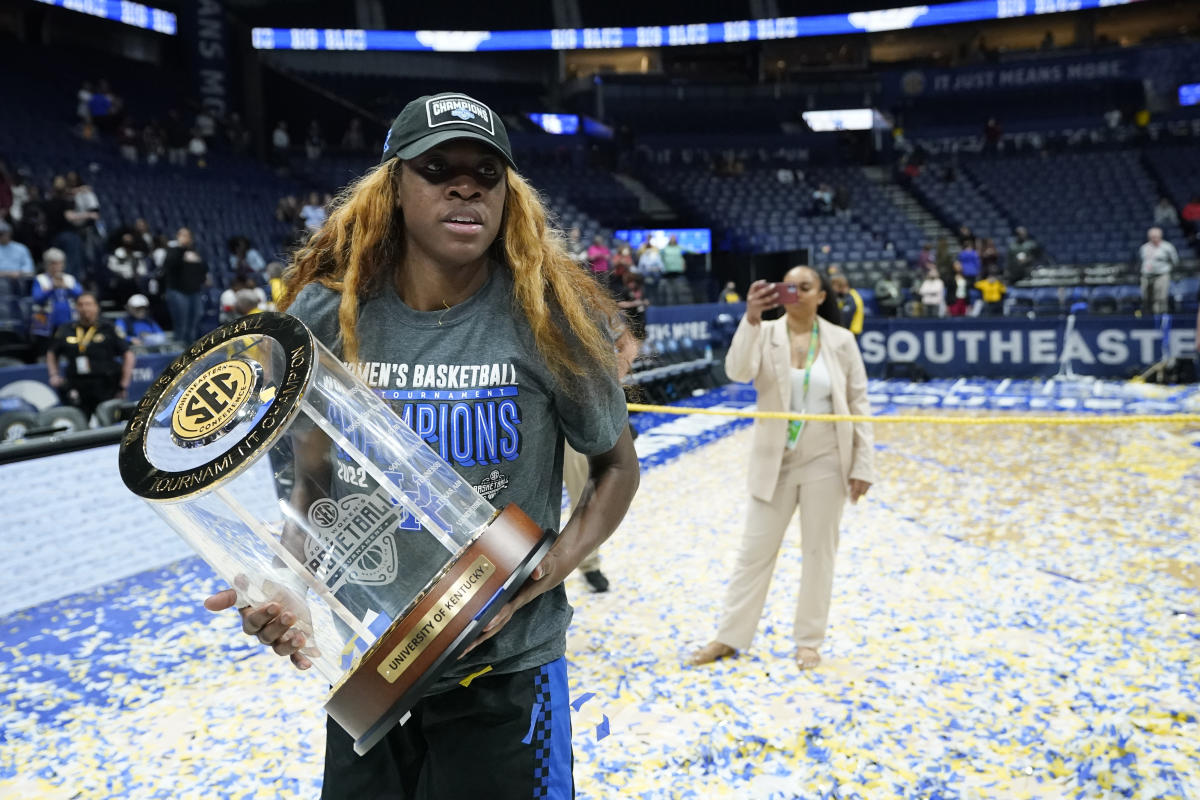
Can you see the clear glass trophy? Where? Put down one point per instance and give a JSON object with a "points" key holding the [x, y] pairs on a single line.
{"points": [[299, 485]]}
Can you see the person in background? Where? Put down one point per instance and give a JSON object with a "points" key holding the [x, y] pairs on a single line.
{"points": [[54, 294], [933, 294], [275, 283], [185, 275], [730, 293], [126, 270], [993, 289], [1022, 254], [674, 272], [313, 212], [598, 255], [989, 258], [650, 267], [1158, 258], [850, 303], [15, 259], [888, 295], [137, 326], [99, 363], [242, 282], [962, 291], [968, 259], [243, 258], [1189, 217], [1164, 213], [803, 363], [247, 301]]}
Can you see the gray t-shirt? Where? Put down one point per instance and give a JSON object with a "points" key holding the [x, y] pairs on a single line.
{"points": [[508, 443]]}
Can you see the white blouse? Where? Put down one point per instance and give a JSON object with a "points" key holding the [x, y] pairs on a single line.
{"points": [[820, 388]]}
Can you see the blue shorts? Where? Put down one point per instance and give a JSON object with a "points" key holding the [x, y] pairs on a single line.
{"points": [[503, 737]]}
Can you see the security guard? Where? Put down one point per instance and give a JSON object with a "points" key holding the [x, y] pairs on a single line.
{"points": [[99, 361]]}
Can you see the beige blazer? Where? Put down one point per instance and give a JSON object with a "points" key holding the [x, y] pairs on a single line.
{"points": [[761, 353]]}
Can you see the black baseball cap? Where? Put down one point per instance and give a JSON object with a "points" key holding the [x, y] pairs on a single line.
{"points": [[435, 118]]}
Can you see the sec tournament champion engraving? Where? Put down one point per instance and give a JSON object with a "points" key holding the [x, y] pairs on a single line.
{"points": [[213, 401]]}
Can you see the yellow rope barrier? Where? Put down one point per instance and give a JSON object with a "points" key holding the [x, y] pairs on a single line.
{"points": [[1014, 419]]}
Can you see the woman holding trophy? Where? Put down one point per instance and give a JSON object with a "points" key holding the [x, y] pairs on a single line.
{"points": [[438, 281]]}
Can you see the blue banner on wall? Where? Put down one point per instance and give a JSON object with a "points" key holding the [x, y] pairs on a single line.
{"points": [[702, 322], [1018, 348], [1012, 75], [202, 25]]}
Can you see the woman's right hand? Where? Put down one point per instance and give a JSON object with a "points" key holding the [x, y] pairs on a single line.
{"points": [[761, 297]]}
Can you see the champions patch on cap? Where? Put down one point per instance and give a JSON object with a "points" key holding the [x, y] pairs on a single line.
{"points": [[448, 110]]}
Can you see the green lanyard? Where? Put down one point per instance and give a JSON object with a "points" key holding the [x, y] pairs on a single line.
{"points": [[797, 425]]}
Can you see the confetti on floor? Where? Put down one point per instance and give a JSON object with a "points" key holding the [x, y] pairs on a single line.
{"points": [[1016, 614]]}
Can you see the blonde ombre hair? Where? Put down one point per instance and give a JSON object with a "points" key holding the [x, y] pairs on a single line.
{"points": [[355, 249]]}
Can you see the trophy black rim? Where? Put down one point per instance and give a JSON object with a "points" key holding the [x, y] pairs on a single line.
{"points": [[154, 484], [411, 697]]}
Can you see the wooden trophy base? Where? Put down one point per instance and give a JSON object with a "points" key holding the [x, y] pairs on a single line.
{"points": [[393, 674]]}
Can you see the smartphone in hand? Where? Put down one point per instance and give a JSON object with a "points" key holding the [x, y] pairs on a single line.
{"points": [[785, 293]]}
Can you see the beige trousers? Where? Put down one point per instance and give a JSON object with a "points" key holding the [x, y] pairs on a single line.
{"points": [[808, 478], [575, 476]]}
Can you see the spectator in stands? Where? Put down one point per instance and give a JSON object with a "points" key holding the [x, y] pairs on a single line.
{"points": [[650, 267], [822, 200], [154, 142], [968, 257], [962, 292], [83, 101], [925, 259], [1164, 213], [185, 275], [674, 286], [54, 292], [177, 139], [137, 327], [575, 246], [281, 142], [143, 238], [730, 293], [989, 258], [598, 255], [850, 303], [248, 301], [992, 289], [198, 149], [16, 263], [633, 302], [1022, 255], [244, 259], [102, 107], [352, 139], [242, 282], [619, 265], [127, 140], [888, 295], [275, 283], [66, 225], [99, 363], [125, 271], [805, 363], [1158, 258], [313, 212], [933, 294], [1190, 217], [314, 142]]}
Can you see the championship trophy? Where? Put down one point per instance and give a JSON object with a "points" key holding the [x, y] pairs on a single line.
{"points": [[299, 485]]}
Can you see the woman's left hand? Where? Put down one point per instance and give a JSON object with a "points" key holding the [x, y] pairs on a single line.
{"points": [[858, 489]]}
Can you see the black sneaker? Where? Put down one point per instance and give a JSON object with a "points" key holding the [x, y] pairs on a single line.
{"points": [[596, 580]]}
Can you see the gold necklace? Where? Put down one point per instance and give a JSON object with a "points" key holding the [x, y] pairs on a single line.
{"points": [[443, 314]]}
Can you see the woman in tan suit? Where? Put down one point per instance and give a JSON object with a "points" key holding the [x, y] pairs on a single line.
{"points": [[804, 362]]}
